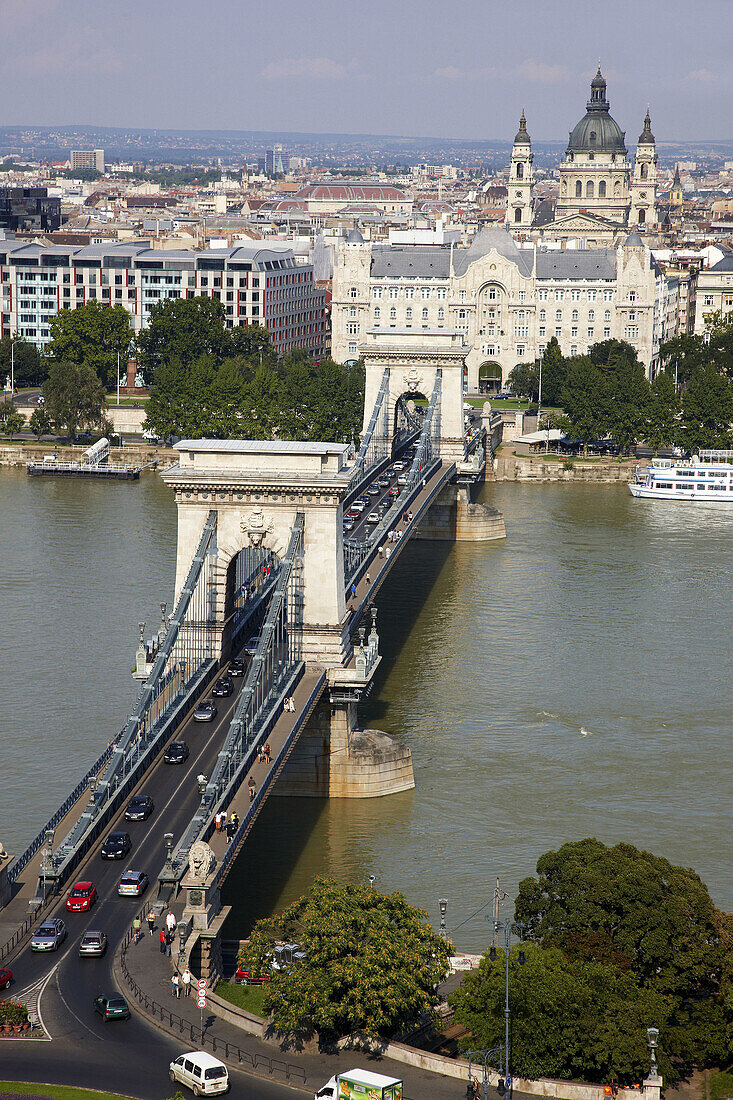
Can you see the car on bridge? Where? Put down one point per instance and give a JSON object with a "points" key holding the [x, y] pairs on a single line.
{"points": [[374, 490], [205, 711], [81, 897], [139, 808], [133, 884], [237, 667], [93, 945], [223, 686], [112, 1007], [116, 846], [177, 751], [49, 936], [6, 978], [394, 492], [354, 514], [384, 480], [348, 525], [399, 465], [373, 517], [250, 646]]}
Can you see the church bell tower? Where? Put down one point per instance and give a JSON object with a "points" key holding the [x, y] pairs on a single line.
{"points": [[519, 189], [643, 210]]}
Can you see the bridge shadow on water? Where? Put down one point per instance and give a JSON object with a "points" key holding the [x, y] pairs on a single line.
{"points": [[296, 839]]}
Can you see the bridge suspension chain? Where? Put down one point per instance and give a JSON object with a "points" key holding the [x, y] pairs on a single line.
{"points": [[374, 441], [275, 663]]}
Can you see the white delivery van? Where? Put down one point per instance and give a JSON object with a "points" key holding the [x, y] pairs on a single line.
{"points": [[203, 1074]]}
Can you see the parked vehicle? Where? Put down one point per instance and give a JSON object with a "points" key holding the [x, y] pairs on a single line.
{"points": [[49, 936], [81, 897], [112, 1007], [373, 517], [93, 945], [139, 808], [203, 1074], [244, 977], [6, 978], [361, 1082]]}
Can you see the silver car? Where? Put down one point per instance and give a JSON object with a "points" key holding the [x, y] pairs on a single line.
{"points": [[49, 936], [93, 944], [132, 884]]}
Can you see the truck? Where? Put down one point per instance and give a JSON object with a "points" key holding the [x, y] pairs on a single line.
{"points": [[361, 1084]]}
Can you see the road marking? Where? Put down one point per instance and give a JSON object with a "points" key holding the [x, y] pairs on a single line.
{"points": [[70, 1009]]}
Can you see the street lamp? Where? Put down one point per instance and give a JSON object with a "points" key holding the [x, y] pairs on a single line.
{"points": [[505, 927], [481, 1056], [653, 1043], [182, 937], [443, 903]]}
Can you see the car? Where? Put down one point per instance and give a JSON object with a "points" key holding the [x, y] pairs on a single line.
{"points": [[223, 686], [348, 525], [354, 513], [93, 945], [49, 936], [81, 897], [384, 480], [245, 977], [201, 1072], [357, 507], [373, 517], [116, 846], [237, 667], [251, 645], [177, 752], [6, 978], [374, 490], [393, 492], [402, 479], [139, 808], [399, 465], [206, 710], [112, 1007], [361, 502], [132, 884]]}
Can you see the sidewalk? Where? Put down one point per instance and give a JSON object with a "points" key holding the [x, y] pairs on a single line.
{"points": [[152, 972]]}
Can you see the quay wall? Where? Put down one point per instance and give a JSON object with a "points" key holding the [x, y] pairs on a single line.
{"points": [[18, 453], [512, 467]]}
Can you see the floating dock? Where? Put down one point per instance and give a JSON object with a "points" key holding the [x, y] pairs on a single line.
{"points": [[93, 463]]}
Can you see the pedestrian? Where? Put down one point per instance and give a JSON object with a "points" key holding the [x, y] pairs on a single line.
{"points": [[151, 921], [186, 982], [162, 941], [387, 552], [381, 552], [409, 517], [170, 921], [292, 704], [231, 829], [168, 942], [368, 579], [252, 793], [234, 819], [353, 591], [136, 926], [175, 986], [267, 752], [223, 820]]}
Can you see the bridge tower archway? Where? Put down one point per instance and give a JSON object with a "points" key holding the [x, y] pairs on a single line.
{"points": [[412, 366], [489, 377]]}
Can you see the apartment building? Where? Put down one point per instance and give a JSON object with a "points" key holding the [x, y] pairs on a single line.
{"points": [[508, 302], [714, 292], [255, 285]]}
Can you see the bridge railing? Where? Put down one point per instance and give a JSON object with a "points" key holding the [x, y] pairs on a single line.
{"points": [[276, 664], [184, 663]]}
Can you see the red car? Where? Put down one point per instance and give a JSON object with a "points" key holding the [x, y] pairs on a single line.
{"points": [[81, 897], [243, 977], [6, 978]]}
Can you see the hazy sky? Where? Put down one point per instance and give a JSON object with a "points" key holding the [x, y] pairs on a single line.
{"points": [[462, 68]]}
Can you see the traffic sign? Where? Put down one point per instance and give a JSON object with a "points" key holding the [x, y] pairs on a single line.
{"points": [[202, 983], [201, 1002]]}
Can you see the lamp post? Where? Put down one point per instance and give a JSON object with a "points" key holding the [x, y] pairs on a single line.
{"points": [[481, 1056], [653, 1043], [505, 927], [182, 929], [443, 903]]}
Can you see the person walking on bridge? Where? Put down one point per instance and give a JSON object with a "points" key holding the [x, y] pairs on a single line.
{"points": [[162, 941], [170, 921], [136, 927], [186, 982], [151, 921]]}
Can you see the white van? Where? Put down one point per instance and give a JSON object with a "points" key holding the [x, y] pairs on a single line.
{"points": [[201, 1072]]}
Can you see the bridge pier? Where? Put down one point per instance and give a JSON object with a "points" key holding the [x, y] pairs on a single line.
{"points": [[455, 516], [333, 758]]}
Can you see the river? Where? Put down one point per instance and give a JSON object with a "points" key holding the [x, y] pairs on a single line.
{"points": [[571, 681]]}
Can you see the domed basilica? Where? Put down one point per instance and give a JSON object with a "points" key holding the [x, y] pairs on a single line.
{"points": [[602, 193]]}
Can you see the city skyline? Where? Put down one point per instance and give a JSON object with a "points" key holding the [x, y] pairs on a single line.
{"points": [[415, 69]]}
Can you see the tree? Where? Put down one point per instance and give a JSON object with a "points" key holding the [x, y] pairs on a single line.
{"points": [[524, 380], [29, 369], [182, 330], [682, 355], [664, 407], [628, 392], [707, 409], [553, 373], [94, 334], [371, 962], [251, 343], [637, 912], [40, 422], [74, 396], [585, 399], [14, 423], [569, 1019]]}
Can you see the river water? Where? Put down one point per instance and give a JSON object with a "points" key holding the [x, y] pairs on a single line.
{"points": [[571, 681]]}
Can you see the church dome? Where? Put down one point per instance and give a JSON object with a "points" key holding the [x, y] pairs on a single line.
{"points": [[522, 137], [597, 132], [646, 137]]}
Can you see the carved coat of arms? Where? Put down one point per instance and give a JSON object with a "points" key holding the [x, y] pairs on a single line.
{"points": [[256, 526], [413, 379]]}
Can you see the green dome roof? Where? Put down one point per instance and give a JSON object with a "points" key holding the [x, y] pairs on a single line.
{"points": [[597, 132]]}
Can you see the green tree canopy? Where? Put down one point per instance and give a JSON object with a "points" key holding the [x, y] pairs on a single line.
{"points": [[29, 368], [40, 422], [661, 429], [74, 396], [553, 373], [524, 380], [569, 1019], [371, 964], [585, 398], [95, 335], [627, 390], [14, 424], [707, 409], [182, 330]]}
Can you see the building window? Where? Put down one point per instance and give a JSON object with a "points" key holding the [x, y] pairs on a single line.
{"points": [[522, 295], [602, 189], [558, 315], [409, 293], [573, 349], [408, 313], [377, 292], [590, 190], [590, 333], [393, 314], [591, 315], [632, 295], [542, 330], [632, 314], [578, 189], [591, 295], [574, 330], [574, 295], [441, 293], [353, 328], [559, 295], [708, 300], [353, 292], [461, 315], [558, 333], [543, 315], [607, 315], [542, 295], [574, 315], [353, 349], [520, 351], [462, 295], [425, 314], [352, 311], [631, 332], [441, 314], [377, 313], [607, 332], [607, 296], [425, 293], [394, 292]]}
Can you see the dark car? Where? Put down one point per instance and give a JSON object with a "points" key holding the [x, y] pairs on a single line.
{"points": [[140, 808], [112, 1007], [116, 846], [237, 667], [176, 753], [205, 711], [223, 686], [6, 978]]}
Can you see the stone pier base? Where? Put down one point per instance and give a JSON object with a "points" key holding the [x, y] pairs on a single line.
{"points": [[333, 759], [454, 516]]}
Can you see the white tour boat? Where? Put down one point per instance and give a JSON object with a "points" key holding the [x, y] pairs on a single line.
{"points": [[706, 477]]}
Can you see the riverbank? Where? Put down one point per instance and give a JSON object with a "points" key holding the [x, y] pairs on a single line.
{"points": [[509, 466], [21, 451]]}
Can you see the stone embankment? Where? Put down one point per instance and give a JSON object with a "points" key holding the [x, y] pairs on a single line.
{"points": [[17, 454], [511, 467]]}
